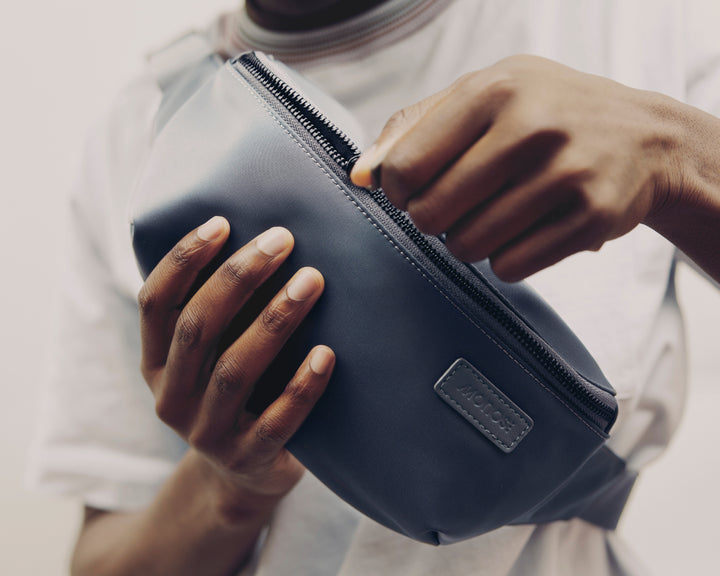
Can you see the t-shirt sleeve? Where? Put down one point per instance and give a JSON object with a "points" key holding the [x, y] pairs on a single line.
{"points": [[703, 55], [98, 438]]}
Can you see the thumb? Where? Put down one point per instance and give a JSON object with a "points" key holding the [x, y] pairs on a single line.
{"points": [[366, 171]]}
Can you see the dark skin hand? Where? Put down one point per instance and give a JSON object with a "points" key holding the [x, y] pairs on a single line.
{"points": [[203, 397], [239, 460], [528, 161]]}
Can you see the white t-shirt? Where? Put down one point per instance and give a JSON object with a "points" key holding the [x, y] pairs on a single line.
{"points": [[101, 441]]}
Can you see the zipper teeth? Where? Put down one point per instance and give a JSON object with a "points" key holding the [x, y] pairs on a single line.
{"points": [[318, 126], [314, 121], [546, 359]]}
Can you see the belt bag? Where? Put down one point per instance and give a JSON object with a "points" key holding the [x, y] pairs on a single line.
{"points": [[459, 403]]}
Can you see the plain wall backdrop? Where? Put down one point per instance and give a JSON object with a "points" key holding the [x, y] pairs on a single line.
{"points": [[62, 64]]}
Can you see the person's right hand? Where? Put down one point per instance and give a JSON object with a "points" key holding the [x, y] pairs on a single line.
{"points": [[203, 396]]}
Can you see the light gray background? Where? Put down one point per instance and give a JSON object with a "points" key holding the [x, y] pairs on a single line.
{"points": [[61, 64]]}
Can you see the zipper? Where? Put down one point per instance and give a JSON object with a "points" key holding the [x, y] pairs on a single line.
{"points": [[595, 404], [338, 145]]}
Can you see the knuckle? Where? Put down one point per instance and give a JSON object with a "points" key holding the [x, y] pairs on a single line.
{"points": [[571, 171], [202, 440], [519, 62], [597, 205], [269, 433], [237, 270], [397, 175], [575, 175], [505, 272], [397, 120], [146, 371], [542, 131], [509, 61], [464, 82], [161, 409], [189, 330], [181, 255], [197, 439], [537, 126], [461, 247], [147, 300], [498, 86], [166, 410], [238, 463], [276, 319], [423, 215], [302, 394], [503, 86], [227, 378], [602, 216]]}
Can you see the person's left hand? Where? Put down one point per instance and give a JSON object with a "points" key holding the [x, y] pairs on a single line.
{"points": [[527, 162]]}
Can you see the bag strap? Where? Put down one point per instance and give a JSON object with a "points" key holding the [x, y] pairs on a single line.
{"points": [[596, 493], [178, 56], [180, 69], [600, 488]]}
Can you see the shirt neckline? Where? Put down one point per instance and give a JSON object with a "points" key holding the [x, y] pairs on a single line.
{"points": [[380, 26]]}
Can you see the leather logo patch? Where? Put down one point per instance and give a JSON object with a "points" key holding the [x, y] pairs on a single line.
{"points": [[477, 400]]}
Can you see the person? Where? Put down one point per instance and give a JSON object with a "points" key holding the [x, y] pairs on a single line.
{"points": [[572, 144]]}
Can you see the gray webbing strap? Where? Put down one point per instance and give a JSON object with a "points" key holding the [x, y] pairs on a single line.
{"points": [[180, 69], [597, 493], [170, 61]]}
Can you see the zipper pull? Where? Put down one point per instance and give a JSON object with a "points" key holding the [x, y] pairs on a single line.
{"points": [[350, 162]]}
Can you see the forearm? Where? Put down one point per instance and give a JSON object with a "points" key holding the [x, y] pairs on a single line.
{"points": [[687, 210], [186, 530]]}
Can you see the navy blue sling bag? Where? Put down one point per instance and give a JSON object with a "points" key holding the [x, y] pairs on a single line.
{"points": [[459, 403]]}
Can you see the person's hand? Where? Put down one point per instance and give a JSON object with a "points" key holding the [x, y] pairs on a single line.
{"points": [[527, 162], [202, 396]]}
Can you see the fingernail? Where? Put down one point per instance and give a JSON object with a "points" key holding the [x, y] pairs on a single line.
{"points": [[273, 241], [212, 228], [360, 174], [304, 285], [321, 360]]}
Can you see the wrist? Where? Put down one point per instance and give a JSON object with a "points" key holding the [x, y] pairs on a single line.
{"points": [[232, 503], [688, 180], [665, 143], [686, 210]]}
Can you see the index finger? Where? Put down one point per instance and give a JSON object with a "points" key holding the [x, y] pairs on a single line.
{"points": [[167, 287], [433, 134], [364, 172]]}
